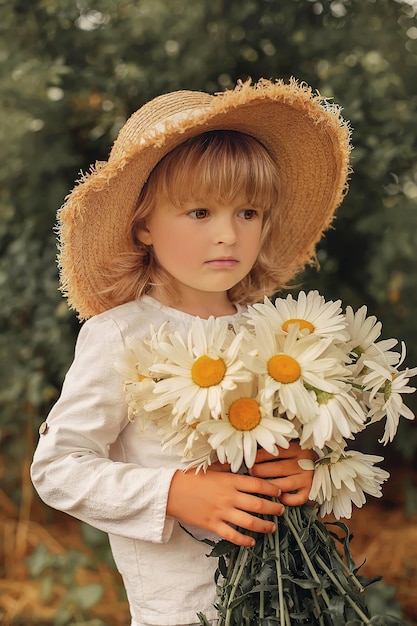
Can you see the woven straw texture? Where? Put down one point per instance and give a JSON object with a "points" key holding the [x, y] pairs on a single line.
{"points": [[305, 135]]}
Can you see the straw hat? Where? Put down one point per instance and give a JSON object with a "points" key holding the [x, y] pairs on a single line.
{"points": [[305, 135]]}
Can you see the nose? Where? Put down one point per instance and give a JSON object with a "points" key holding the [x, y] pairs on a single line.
{"points": [[226, 232]]}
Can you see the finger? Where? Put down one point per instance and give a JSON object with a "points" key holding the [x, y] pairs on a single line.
{"points": [[251, 523], [296, 499], [232, 534], [247, 522], [260, 506], [295, 451], [252, 484], [263, 456], [295, 482], [274, 469]]}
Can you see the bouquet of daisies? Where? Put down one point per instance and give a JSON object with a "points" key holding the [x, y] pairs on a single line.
{"points": [[293, 369]]}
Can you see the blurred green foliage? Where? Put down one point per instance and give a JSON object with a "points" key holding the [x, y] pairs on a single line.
{"points": [[77, 600], [73, 71]]}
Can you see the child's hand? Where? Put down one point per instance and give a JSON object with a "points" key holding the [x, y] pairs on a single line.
{"points": [[285, 473], [218, 500]]}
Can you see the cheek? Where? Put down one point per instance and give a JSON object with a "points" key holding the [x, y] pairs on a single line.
{"points": [[255, 242], [173, 250]]}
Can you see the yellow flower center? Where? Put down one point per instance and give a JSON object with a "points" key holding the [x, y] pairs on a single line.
{"points": [[244, 414], [207, 372], [302, 324], [283, 368]]}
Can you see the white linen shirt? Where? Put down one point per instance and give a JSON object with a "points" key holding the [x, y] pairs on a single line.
{"points": [[94, 464]]}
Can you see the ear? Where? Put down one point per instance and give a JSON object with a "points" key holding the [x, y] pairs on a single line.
{"points": [[144, 236]]}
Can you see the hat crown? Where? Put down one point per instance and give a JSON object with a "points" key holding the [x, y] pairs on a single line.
{"points": [[154, 114]]}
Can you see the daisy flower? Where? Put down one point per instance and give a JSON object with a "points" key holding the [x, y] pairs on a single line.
{"points": [[245, 424], [386, 387], [134, 365], [339, 416], [363, 346], [310, 311], [342, 478], [291, 366], [197, 372], [186, 441], [363, 330], [134, 362]]}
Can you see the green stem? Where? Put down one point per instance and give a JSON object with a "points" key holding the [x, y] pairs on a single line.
{"points": [[230, 576], [297, 512], [341, 562], [236, 576], [243, 559], [282, 605], [306, 556], [261, 604], [341, 590], [261, 593]]}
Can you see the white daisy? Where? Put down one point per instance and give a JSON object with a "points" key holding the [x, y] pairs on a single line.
{"points": [[382, 367], [363, 346], [289, 363], [134, 362], [198, 372], [381, 351], [185, 440], [310, 311], [246, 423], [339, 416], [342, 478], [363, 330], [134, 365], [137, 395], [386, 387]]}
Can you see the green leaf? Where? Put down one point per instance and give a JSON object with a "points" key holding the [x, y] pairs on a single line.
{"points": [[305, 584], [222, 548], [203, 619], [86, 596], [222, 565], [39, 560]]}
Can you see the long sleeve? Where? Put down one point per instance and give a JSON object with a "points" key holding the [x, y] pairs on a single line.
{"points": [[97, 466], [73, 469]]}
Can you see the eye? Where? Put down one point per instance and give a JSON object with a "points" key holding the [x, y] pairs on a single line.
{"points": [[248, 214], [198, 214]]}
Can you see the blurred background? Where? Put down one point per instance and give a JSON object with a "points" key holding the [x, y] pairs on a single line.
{"points": [[72, 71]]}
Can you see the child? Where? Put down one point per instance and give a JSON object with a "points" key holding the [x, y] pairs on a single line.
{"points": [[205, 204]]}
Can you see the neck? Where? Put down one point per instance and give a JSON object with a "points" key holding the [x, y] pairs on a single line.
{"points": [[203, 304]]}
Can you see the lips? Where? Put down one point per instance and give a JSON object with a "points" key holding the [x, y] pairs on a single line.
{"points": [[222, 262]]}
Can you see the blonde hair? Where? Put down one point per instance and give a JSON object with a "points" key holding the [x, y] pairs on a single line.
{"points": [[219, 165]]}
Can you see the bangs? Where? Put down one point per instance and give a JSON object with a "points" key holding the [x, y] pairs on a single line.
{"points": [[220, 165]]}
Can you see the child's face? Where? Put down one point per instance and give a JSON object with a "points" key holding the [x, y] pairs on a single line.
{"points": [[205, 246]]}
